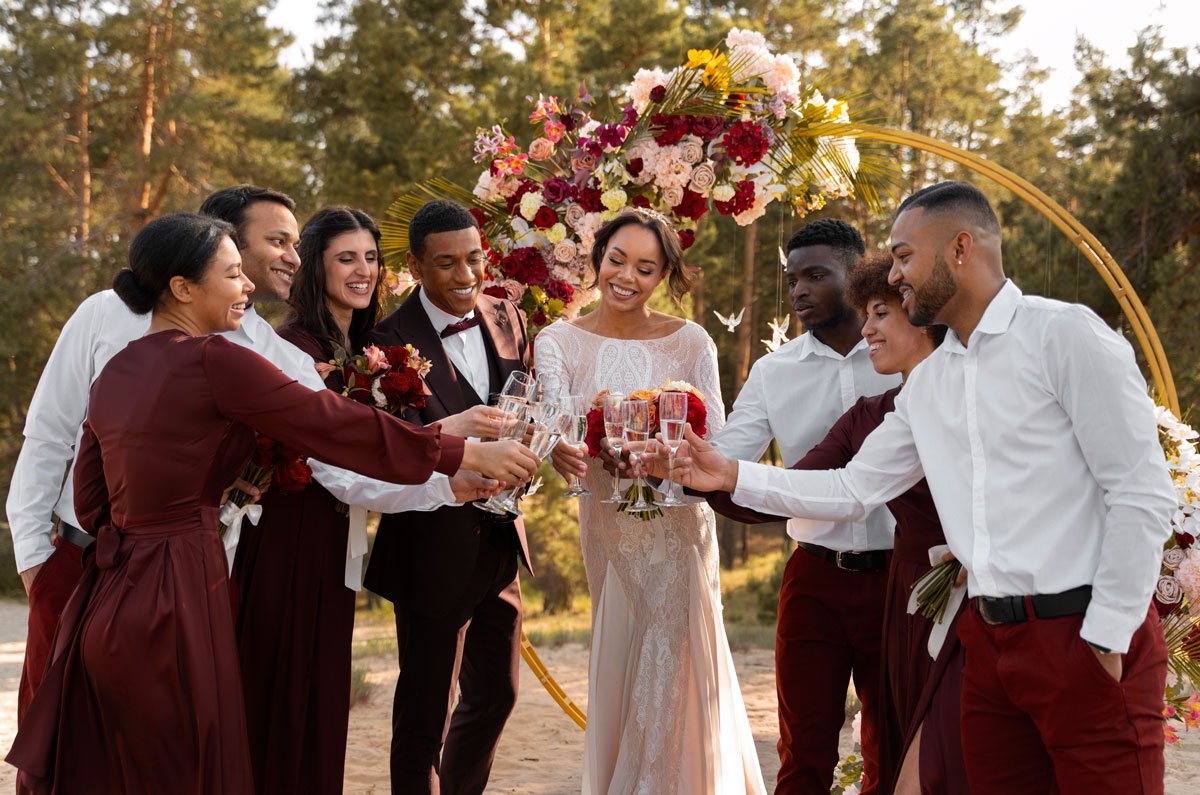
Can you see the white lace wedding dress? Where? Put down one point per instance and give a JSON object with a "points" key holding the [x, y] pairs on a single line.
{"points": [[665, 715]]}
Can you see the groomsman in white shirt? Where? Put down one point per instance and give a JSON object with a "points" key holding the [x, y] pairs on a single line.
{"points": [[1033, 428], [830, 619], [46, 539]]}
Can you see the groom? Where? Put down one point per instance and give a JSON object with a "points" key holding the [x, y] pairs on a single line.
{"points": [[452, 574]]}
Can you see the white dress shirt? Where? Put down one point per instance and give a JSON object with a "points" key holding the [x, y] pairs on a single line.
{"points": [[795, 395], [1041, 450], [465, 349], [99, 329]]}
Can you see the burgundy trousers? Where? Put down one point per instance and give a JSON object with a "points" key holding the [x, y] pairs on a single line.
{"points": [[52, 587], [829, 628], [1041, 715]]}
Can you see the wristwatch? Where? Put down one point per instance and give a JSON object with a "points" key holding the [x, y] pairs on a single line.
{"points": [[1098, 647]]}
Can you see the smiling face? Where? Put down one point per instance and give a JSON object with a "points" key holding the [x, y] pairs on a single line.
{"points": [[269, 236], [351, 264], [633, 265], [451, 269], [816, 279], [217, 302], [920, 269], [896, 345]]}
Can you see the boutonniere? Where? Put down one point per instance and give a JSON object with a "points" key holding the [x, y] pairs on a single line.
{"points": [[501, 317]]}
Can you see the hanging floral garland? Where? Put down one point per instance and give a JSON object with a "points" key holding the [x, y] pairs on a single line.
{"points": [[731, 130]]}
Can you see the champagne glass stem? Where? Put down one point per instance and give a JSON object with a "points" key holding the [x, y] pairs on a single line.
{"points": [[670, 474]]}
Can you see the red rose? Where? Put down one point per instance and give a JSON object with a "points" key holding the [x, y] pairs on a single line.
{"points": [[556, 190], [397, 355], [686, 238], [697, 415], [539, 318], [481, 217], [556, 288], [743, 199], [658, 93], [595, 432], [669, 130], [640, 200], [693, 205], [707, 127], [292, 475], [1165, 610], [635, 166], [525, 265], [746, 142], [589, 199], [264, 451], [1184, 540], [545, 217], [495, 291]]}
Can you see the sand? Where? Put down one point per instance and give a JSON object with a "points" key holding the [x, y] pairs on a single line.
{"points": [[542, 749]]}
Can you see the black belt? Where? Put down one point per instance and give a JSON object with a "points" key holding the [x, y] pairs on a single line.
{"points": [[849, 561], [72, 534], [1016, 609]]}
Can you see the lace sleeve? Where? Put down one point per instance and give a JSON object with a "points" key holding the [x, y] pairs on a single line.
{"points": [[707, 378], [549, 365]]}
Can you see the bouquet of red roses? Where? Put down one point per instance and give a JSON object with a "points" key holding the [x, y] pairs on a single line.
{"points": [[390, 378], [272, 464]]}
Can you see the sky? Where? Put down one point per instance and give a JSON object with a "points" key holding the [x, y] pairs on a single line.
{"points": [[1048, 30]]}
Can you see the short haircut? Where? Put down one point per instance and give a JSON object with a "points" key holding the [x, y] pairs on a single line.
{"points": [[230, 204], [960, 199], [440, 215], [868, 281], [181, 244], [838, 235]]}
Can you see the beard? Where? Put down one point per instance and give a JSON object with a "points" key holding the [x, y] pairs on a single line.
{"points": [[934, 295], [835, 319]]}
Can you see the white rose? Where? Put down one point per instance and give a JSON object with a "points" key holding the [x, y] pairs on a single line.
{"points": [[574, 213], [703, 179], [1168, 590], [672, 196], [691, 150], [1173, 557], [565, 250]]}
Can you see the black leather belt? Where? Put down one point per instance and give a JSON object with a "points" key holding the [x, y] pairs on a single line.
{"points": [[1016, 609], [849, 561], [72, 534]]}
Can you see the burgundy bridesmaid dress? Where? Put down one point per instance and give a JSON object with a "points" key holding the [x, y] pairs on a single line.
{"points": [[143, 692], [295, 624]]}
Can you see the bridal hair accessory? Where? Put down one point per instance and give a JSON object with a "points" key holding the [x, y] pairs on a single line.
{"points": [[731, 130]]}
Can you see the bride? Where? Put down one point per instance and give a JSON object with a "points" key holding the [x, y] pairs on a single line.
{"points": [[664, 711]]}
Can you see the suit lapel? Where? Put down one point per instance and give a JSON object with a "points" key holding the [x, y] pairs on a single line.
{"points": [[500, 339], [442, 378]]}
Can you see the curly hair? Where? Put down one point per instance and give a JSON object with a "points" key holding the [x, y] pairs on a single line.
{"points": [[838, 235], [868, 281]]}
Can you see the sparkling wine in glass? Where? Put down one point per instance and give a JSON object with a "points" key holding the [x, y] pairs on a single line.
{"points": [[672, 418], [635, 415], [549, 423], [614, 430], [576, 407]]}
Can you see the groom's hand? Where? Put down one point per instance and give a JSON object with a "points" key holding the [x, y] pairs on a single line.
{"points": [[569, 460], [699, 466], [480, 422], [509, 461], [469, 486]]}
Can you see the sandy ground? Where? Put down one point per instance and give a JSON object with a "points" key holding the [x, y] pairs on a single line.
{"points": [[541, 751]]}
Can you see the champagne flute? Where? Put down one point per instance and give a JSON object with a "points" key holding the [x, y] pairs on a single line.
{"points": [[512, 427], [635, 416], [549, 423], [672, 417], [576, 407], [614, 430]]}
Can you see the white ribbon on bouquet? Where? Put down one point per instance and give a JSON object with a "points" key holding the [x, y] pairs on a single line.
{"points": [[232, 516], [937, 635]]}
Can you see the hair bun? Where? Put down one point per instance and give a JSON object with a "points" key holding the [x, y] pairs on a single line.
{"points": [[130, 289]]}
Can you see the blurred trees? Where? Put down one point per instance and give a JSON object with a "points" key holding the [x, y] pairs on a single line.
{"points": [[116, 111]]}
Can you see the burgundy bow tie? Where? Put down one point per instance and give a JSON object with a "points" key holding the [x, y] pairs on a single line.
{"points": [[461, 325]]}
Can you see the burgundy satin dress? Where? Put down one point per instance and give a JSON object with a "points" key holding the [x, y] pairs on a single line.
{"points": [[295, 625], [143, 692]]}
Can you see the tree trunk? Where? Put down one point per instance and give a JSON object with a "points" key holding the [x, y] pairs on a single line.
{"points": [[745, 331]]}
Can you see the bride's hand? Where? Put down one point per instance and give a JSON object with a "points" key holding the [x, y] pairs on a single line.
{"points": [[699, 466]]}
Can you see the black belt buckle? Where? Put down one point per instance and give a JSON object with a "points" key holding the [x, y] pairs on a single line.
{"points": [[1003, 609], [842, 559]]}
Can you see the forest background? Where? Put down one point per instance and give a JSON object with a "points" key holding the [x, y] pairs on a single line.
{"points": [[113, 112]]}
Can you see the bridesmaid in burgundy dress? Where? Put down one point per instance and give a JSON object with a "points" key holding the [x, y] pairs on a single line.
{"points": [[920, 751], [143, 692], [295, 617]]}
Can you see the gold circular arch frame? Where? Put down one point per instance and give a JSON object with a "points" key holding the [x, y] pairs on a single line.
{"points": [[1085, 241]]}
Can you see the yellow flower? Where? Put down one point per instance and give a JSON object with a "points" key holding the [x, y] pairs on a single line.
{"points": [[716, 73], [698, 58]]}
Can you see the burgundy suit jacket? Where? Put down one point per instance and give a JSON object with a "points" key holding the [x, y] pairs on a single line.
{"points": [[424, 558]]}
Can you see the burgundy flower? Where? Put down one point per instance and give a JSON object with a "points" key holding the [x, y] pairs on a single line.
{"points": [[1184, 540], [629, 116], [523, 187], [658, 93], [669, 129], [640, 200], [589, 198], [746, 142], [706, 127], [495, 291], [610, 135], [545, 217], [557, 288], [635, 166], [556, 190], [292, 475], [481, 217], [743, 199], [539, 318], [686, 238], [693, 206], [525, 265]]}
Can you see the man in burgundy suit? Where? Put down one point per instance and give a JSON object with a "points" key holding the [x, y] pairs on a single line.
{"points": [[452, 573]]}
